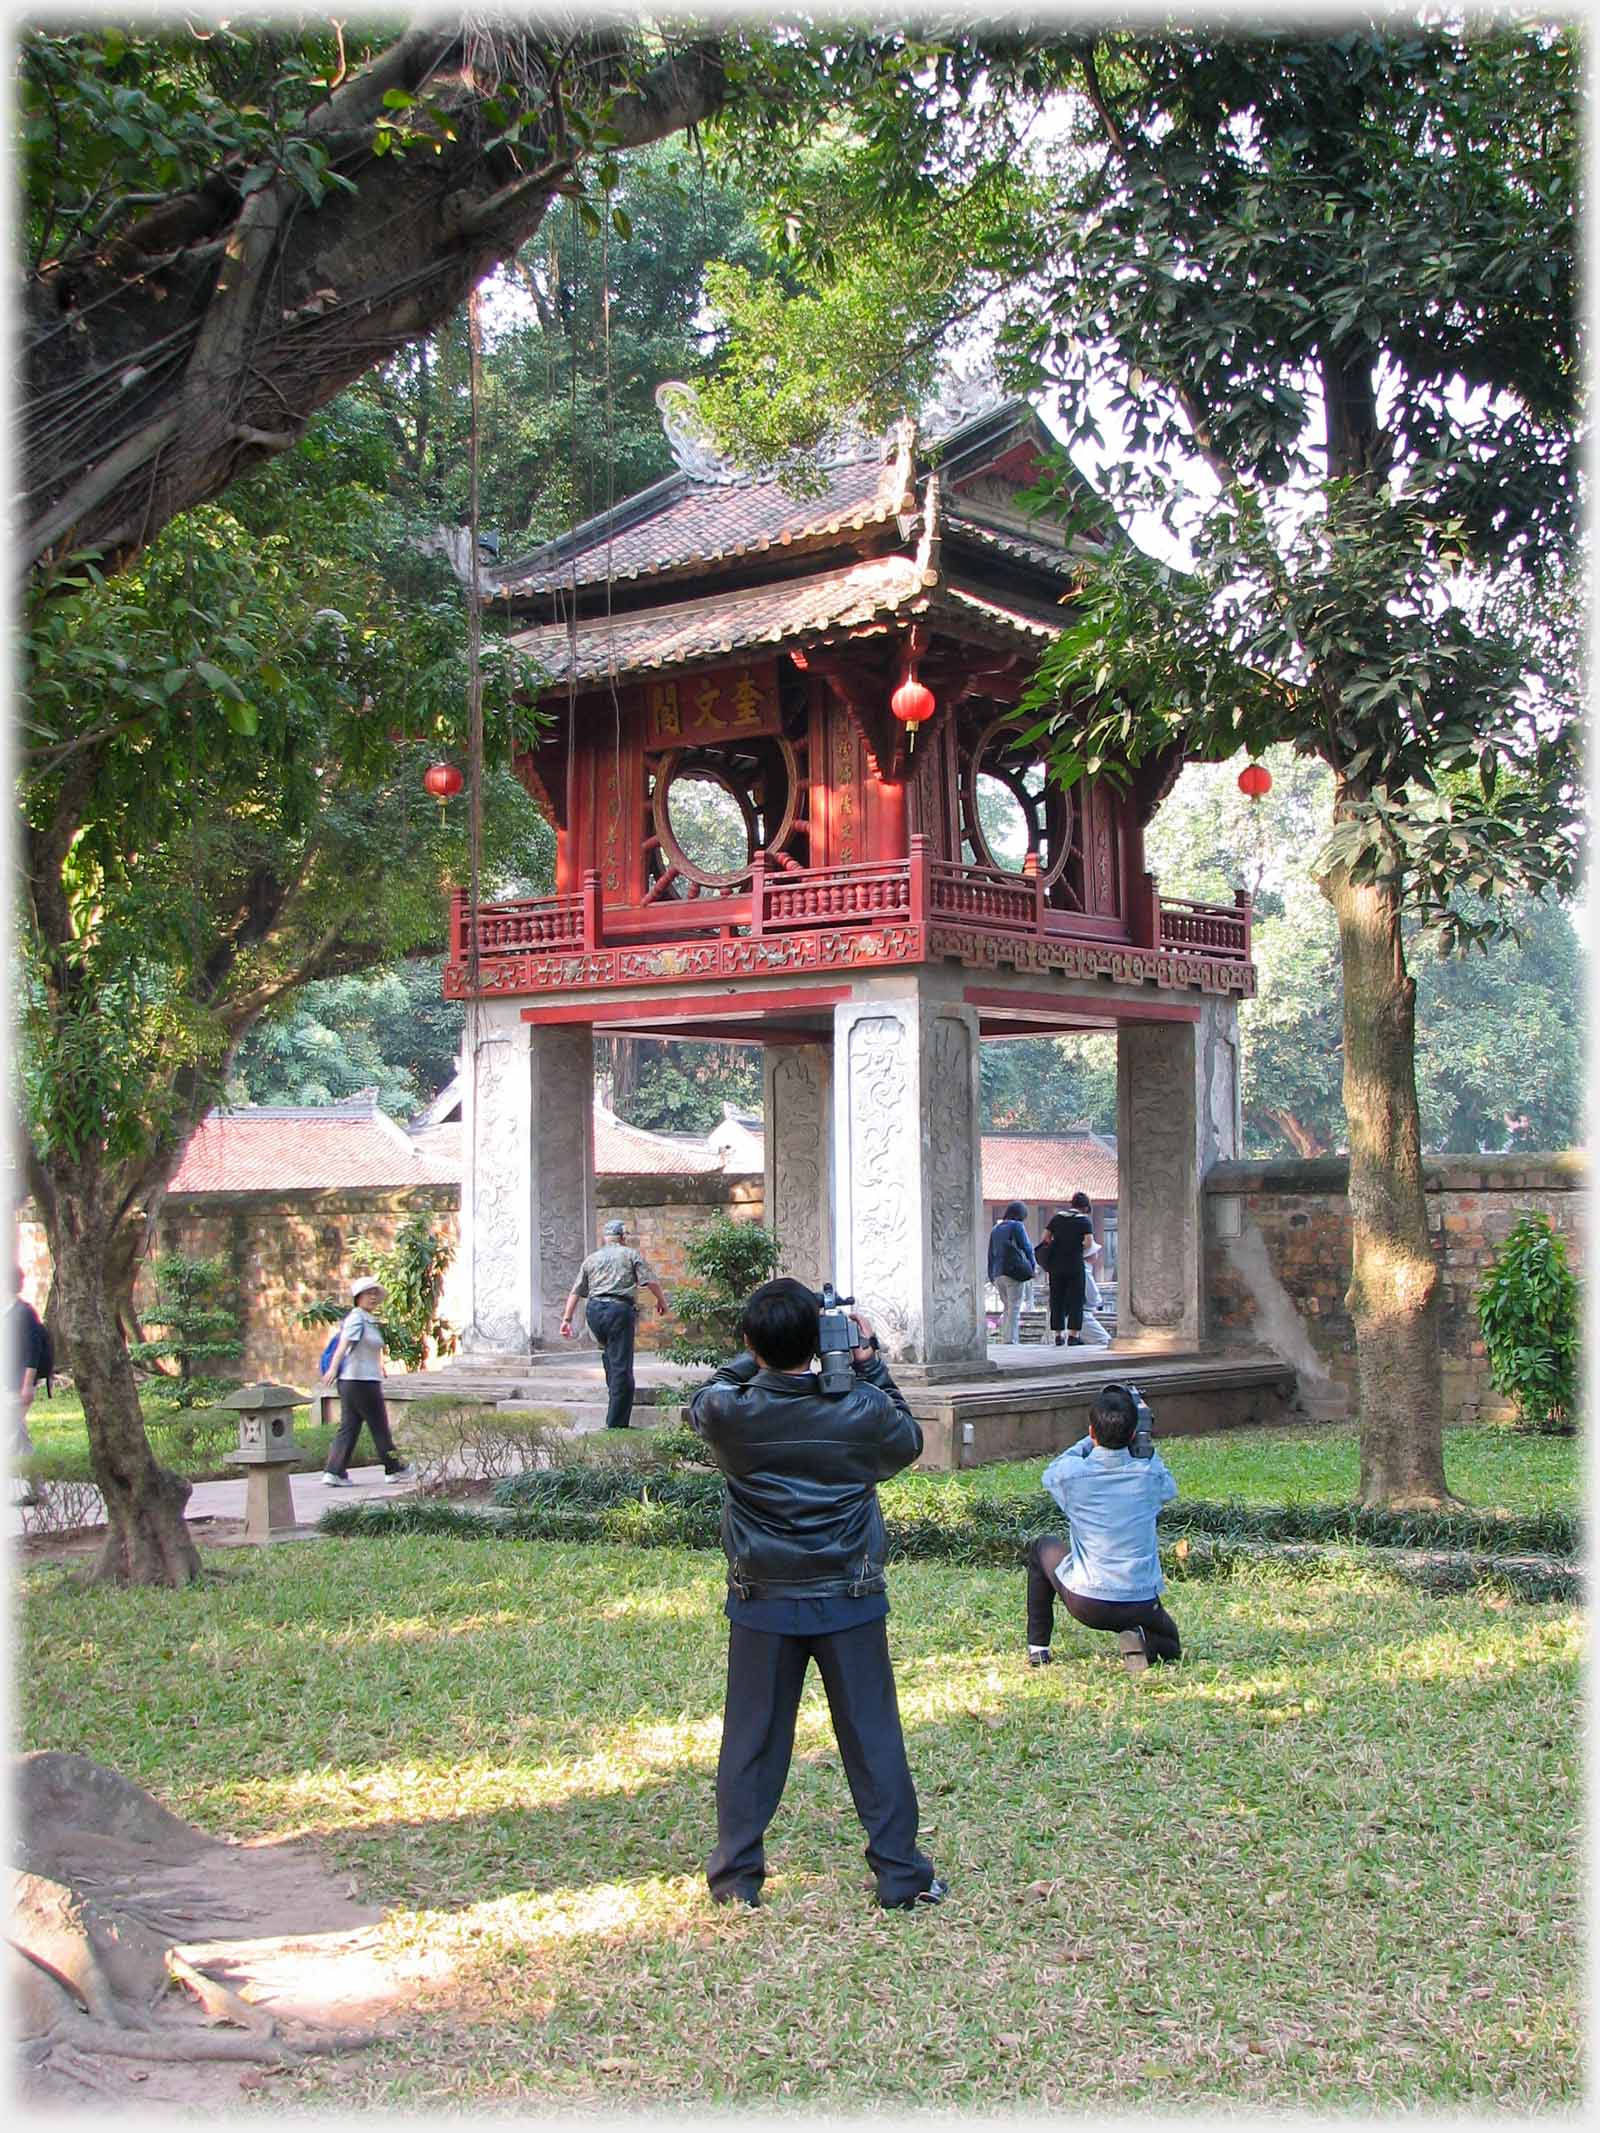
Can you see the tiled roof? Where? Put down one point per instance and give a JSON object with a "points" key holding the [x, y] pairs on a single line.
{"points": [[700, 523], [630, 1151], [269, 1149], [1038, 555], [1045, 1170], [692, 631]]}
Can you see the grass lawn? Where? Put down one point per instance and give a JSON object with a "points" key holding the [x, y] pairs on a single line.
{"points": [[1334, 1862], [1487, 1467], [57, 1427]]}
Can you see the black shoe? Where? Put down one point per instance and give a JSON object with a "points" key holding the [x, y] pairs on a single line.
{"points": [[1135, 1651], [746, 1899], [935, 1892], [1038, 1655]]}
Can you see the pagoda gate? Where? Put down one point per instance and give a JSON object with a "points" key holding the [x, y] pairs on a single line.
{"points": [[753, 843]]}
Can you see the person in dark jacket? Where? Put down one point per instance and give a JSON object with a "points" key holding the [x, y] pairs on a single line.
{"points": [[1011, 1267], [804, 1538], [1061, 1252]]}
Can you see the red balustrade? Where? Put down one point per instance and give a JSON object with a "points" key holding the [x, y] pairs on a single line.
{"points": [[833, 896], [1211, 928], [917, 890], [983, 896], [513, 929]]}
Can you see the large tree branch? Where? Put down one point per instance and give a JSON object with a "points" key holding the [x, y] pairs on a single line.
{"points": [[270, 305]]}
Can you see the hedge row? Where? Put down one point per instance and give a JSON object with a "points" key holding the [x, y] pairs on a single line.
{"points": [[671, 1515], [928, 1516]]}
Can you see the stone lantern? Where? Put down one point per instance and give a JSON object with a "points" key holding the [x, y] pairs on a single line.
{"points": [[267, 1451]]}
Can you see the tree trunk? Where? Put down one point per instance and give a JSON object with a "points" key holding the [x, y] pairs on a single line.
{"points": [[1394, 1277], [147, 1540]]}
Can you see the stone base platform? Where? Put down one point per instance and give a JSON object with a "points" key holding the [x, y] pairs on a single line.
{"points": [[1023, 1402], [1038, 1407]]}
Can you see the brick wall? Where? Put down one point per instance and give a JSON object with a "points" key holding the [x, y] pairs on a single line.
{"points": [[662, 1214], [1278, 1261], [288, 1250]]}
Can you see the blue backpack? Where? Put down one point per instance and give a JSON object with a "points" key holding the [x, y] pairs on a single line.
{"points": [[327, 1354]]}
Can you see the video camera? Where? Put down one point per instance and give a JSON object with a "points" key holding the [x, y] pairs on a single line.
{"points": [[1144, 1422], [838, 1336]]}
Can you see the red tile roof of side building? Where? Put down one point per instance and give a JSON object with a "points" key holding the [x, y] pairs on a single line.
{"points": [[355, 1147], [269, 1148]]}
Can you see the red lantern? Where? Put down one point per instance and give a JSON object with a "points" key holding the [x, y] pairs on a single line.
{"points": [[1255, 780], [443, 780], [911, 703]]}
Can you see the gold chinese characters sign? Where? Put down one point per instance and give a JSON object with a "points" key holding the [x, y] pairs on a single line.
{"points": [[699, 710]]}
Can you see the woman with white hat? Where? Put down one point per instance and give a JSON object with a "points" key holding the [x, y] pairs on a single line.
{"points": [[356, 1366]]}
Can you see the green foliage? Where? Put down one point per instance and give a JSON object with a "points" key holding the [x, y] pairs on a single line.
{"points": [[1048, 1084], [1529, 1315], [1499, 1052], [216, 806], [114, 118], [391, 1031], [199, 1328], [730, 1258], [411, 1273], [568, 418]]}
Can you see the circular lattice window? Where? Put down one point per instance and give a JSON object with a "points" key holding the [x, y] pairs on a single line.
{"points": [[712, 811], [1012, 811]]}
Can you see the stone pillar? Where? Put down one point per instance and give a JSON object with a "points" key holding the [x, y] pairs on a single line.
{"points": [[906, 1154], [797, 1085], [527, 1201], [1177, 1115]]}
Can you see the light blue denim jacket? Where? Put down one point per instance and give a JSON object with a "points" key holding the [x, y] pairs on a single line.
{"points": [[1112, 1501]]}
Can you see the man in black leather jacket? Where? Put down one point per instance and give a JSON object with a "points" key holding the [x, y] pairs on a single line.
{"points": [[804, 1539]]}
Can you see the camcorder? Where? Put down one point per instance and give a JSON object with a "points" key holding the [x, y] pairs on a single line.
{"points": [[1144, 1422], [838, 1335]]}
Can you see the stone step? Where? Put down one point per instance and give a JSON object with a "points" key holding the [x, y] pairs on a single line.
{"points": [[582, 1414]]}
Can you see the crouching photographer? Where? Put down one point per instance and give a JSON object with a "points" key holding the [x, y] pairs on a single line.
{"points": [[801, 1456], [1112, 1485]]}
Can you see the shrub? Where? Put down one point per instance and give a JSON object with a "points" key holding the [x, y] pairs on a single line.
{"points": [[730, 1258], [1528, 1315], [196, 1329], [454, 1440]]}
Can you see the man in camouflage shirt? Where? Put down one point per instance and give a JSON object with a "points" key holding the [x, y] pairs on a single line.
{"points": [[611, 1279]]}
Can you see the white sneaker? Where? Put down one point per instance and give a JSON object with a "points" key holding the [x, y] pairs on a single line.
{"points": [[400, 1473], [337, 1481]]}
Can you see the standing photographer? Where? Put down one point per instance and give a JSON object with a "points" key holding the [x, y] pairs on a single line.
{"points": [[804, 1539]]}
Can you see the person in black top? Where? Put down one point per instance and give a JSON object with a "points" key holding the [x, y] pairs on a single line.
{"points": [[804, 1538], [1061, 1253], [27, 1361]]}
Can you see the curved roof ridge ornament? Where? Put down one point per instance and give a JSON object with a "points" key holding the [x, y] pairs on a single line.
{"points": [[696, 452], [961, 398]]}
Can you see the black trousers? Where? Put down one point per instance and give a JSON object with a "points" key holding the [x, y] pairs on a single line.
{"points": [[1160, 1631], [361, 1400], [765, 1677], [611, 1321], [1066, 1298]]}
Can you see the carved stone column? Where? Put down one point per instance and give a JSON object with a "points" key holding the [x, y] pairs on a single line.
{"points": [[527, 1199], [1177, 1115], [797, 1083], [906, 1171]]}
